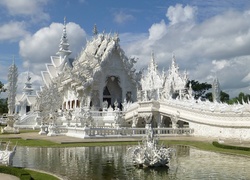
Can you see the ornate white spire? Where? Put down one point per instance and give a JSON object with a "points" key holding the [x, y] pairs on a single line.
{"points": [[175, 81], [64, 45], [12, 87], [152, 66], [95, 31], [216, 90], [152, 81], [174, 65], [28, 85]]}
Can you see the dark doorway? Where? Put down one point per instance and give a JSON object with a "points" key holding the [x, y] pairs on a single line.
{"points": [[112, 91], [27, 109]]}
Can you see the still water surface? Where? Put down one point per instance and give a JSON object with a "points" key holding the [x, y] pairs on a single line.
{"points": [[111, 162]]}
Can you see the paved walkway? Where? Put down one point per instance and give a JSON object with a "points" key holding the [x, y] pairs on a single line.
{"points": [[62, 139], [8, 177]]}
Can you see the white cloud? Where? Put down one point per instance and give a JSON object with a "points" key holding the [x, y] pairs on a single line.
{"points": [[122, 17], [178, 13], [219, 65], [36, 49], [216, 46], [31, 8], [12, 31], [157, 30]]}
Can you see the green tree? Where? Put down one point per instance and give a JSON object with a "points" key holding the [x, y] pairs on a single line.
{"points": [[3, 106], [3, 102], [2, 89], [224, 97], [199, 89], [240, 98], [209, 96]]}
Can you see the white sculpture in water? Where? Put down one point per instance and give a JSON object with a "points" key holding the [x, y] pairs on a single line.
{"points": [[6, 155], [150, 153]]}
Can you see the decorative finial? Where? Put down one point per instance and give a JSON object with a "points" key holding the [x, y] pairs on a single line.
{"points": [[173, 55], [173, 59], [64, 45], [152, 54], [13, 59], [116, 38], [65, 21], [28, 76], [95, 31]]}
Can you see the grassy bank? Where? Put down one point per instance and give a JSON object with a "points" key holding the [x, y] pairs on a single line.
{"points": [[45, 143], [208, 146], [26, 174]]}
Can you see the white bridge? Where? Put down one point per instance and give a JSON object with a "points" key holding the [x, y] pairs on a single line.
{"points": [[168, 117], [207, 119]]}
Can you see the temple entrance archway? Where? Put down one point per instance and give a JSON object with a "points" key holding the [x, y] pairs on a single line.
{"points": [[112, 91]]}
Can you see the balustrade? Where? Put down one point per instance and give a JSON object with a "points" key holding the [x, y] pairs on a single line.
{"points": [[88, 132]]}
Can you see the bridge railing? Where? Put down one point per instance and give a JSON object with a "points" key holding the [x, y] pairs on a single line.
{"points": [[95, 132]]}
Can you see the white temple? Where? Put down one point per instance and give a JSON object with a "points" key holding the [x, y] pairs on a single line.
{"points": [[100, 73], [101, 89]]}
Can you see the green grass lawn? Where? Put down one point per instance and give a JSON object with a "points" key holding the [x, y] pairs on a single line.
{"points": [[45, 143], [40, 176], [26, 174]]}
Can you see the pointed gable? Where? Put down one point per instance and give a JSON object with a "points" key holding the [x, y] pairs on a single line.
{"points": [[98, 53]]}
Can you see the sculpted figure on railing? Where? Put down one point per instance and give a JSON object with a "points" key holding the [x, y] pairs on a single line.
{"points": [[105, 105], [88, 119], [135, 121], [147, 117], [68, 114]]}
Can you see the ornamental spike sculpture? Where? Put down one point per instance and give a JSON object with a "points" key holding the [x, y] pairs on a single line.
{"points": [[12, 87], [11, 91]]}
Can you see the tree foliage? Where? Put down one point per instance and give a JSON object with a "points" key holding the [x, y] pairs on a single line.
{"points": [[3, 106], [199, 89], [2, 89], [240, 98], [224, 97], [3, 102]]}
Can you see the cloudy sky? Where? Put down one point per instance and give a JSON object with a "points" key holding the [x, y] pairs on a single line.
{"points": [[209, 38]]}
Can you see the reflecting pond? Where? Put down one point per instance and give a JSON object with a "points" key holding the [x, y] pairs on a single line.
{"points": [[110, 162]]}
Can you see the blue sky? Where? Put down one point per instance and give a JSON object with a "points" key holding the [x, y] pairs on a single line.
{"points": [[209, 38]]}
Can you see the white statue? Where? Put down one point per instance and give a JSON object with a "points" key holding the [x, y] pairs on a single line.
{"points": [[149, 153]]}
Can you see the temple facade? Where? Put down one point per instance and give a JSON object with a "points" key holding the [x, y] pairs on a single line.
{"points": [[101, 73], [101, 78]]}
